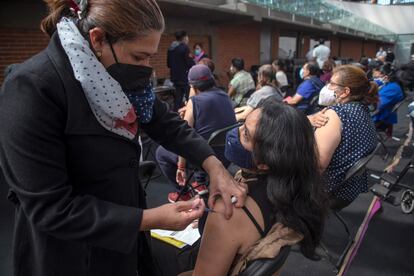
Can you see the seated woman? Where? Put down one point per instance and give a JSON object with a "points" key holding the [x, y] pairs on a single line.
{"points": [[278, 67], [327, 68], [267, 86], [284, 187], [348, 135], [390, 94], [209, 110], [307, 89]]}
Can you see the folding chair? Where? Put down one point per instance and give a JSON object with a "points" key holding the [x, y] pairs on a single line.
{"points": [[245, 96], [357, 169], [388, 129], [313, 105], [265, 267]]}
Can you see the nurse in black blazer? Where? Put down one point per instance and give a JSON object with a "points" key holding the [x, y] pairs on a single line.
{"points": [[69, 119]]}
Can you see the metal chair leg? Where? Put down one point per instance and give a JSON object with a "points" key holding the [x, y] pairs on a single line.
{"points": [[337, 263], [349, 243]]}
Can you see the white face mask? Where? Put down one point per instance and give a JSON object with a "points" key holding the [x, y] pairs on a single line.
{"points": [[326, 96]]}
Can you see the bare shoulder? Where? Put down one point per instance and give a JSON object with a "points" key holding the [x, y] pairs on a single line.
{"points": [[239, 226]]}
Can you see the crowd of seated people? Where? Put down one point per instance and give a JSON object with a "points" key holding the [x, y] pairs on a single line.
{"points": [[282, 158], [267, 86], [208, 110]]}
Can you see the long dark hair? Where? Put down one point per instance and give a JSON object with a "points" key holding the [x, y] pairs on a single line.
{"points": [[285, 142]]}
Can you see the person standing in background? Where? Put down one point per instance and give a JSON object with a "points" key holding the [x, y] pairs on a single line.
{"points": [[321, 53], [381, 53], [179, 61], [199, 52], [390, 57]]}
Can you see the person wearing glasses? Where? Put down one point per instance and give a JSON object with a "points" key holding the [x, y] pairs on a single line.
{"points": [[348, 135]]}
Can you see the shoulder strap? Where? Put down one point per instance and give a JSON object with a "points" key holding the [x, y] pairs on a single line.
{"points": [[259, 229]]}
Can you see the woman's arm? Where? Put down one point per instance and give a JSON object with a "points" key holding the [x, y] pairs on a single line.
{"points": [[243, 115], [181, 163], [220, 243], [328, 138], [232, 91], [294, 100]]}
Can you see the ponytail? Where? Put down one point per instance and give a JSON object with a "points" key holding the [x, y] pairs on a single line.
{"points": [[57, 10], [120, 19]]}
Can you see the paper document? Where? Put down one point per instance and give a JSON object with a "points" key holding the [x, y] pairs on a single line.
{"points": [[187, 236]]}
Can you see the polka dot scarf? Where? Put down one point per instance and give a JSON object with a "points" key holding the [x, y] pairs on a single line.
{"points": [[110, 105]]}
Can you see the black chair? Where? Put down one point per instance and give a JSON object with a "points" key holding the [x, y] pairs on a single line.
{"points": [[387, 129], [357, 169], [265, 267], [313, 105], [218, 137], [245, 96]]}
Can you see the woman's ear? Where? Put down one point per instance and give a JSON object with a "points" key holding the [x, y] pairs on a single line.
{"points": [[346, 93], [97, 39]]}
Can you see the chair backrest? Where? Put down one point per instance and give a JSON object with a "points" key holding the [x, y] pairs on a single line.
{"points": [[314, 100], [218, 137], [397, 105], [265, 267], [360, 165]]}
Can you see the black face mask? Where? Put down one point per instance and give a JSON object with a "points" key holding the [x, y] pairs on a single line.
{"points": [[130, 77]]}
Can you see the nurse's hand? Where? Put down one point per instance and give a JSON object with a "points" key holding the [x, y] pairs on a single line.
{"points": [[319, 119], [173, 216], [223, 185]]}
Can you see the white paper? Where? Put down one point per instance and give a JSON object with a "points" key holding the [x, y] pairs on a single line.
{"points": [[188, 236]]}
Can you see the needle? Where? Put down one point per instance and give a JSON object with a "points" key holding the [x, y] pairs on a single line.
{"points": [[209, 210]]}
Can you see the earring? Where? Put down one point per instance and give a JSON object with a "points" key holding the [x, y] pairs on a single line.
{"points": [[98, 54]]}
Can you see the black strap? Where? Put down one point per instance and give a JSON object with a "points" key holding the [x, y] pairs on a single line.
{"points": [[259, 229]]}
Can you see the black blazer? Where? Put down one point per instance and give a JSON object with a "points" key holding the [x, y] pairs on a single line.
{"points": [[76, 187]]}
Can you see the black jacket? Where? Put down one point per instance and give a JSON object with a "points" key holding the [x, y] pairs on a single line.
{"points": [[179, 62], [76, 187]]}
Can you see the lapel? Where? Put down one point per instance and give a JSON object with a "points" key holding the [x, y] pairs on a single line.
{"points": [[80, 119]]}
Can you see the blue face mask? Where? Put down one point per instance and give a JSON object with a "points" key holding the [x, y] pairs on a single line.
{"points": [[379, 81], [197, 52], [301, 73], [235, 152]]}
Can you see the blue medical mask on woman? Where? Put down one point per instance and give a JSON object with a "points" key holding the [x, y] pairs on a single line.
{"points": [[197, 52], [235, 152], [379, 81], [301, 73]]}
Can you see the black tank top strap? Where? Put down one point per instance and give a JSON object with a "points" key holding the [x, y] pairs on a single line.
{"points": [[256, 224]]}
